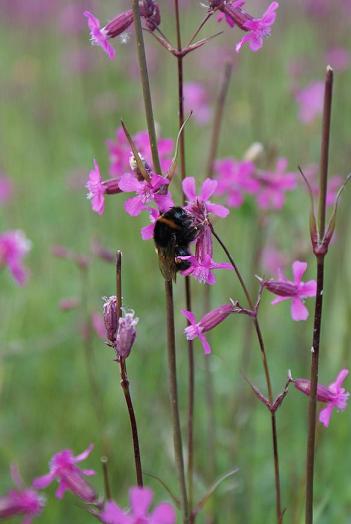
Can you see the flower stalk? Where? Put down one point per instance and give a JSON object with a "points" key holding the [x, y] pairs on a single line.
{"points": [[312, 408], [124, 378]]}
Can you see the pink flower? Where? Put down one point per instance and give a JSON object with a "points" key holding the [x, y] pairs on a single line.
{"points": [[70, 477], [97, 322], [272, 259], [310, 101], [6, 189], [202, 270], [199, 205], [274, 184], [235, 178], [196, 100], [146, 191], [335, 396], [21, 501], [13, 247], [208, 322], [296, 291], [258, 28], [98, 35], [98, 187], [120, 152], [140, 500]]}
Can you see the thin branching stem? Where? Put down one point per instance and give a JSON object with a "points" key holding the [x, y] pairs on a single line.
{"points": [[312, 408], [267, 377]]}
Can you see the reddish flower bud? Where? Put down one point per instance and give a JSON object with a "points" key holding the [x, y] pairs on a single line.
{"points": [[119, 24], [126, 334], [110, 318]]}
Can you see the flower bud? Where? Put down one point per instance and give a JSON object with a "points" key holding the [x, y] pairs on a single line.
{"points": [[110, 318], [126, 334], [119, 24]]}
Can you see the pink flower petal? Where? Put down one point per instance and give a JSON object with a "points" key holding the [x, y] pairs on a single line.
{"points": [[134, 206], [298, 310], [147, 232], [325, 415], [340, 378], [299, 269], [163, 514], [205, 344], [217, 209], [128, 183], [140, 500], [43, 481], [209, 186], [189, 315], [308, 289], [189, 187], [84, 454]]}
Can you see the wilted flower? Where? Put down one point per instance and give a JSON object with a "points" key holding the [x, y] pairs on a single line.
{"points": [[335, 396], [21, 501], [69, 476], [310, 101], [140, 500], [13, 247], [110, 318], [296, 291]]}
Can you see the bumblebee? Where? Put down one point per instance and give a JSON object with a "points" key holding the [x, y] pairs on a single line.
{"points": [[174, 230]]}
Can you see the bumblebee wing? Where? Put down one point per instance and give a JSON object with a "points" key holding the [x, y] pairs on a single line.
{"points": [[166, 258]]}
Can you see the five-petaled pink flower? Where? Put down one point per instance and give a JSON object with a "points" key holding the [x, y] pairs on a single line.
{"points": [[295, 291], [147, 191], [69, 476], [140, 500], [199, 205], [98, 35], [202, 270], [98, 187], [13, 247], [258, 28], [334, 395], [208, 322], [21, 501]]}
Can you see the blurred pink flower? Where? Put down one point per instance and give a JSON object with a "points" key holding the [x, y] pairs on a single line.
{"points": [[69, 476], [335, 396], [140, 500], [97, 322], [259, 28], [274, 184], [13, 247], [295, 290], [196, 100], [338, 58], [67, 304], [334, 183], [21, 501], [235, 178], [98, 35], [6, 188], [272, 259], [202, 270], [310, 101]]}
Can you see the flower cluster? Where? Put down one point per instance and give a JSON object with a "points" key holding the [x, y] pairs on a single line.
{"points": [[237, 178]]}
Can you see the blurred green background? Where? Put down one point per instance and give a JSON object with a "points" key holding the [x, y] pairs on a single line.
{"points": [[60, 100]]}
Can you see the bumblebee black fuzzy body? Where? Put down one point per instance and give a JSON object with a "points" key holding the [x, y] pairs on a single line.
{"points": [[174, 230]]}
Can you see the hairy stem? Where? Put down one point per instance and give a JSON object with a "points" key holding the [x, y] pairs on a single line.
{"points": [[124, 379], [312, 408], [173, 393], [267, 377]]}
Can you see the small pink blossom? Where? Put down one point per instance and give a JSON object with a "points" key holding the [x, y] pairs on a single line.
{"points": [[21, 501], [98, 35], [295, 290], [335, 396], [69, 476], [6, 189], [258, 28], [146, 192], [13, 247], [274, 185], [310, 101], [208, 322], [196, 100], [97, 188], [202, 270], [140, 500], [199, 205]]}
